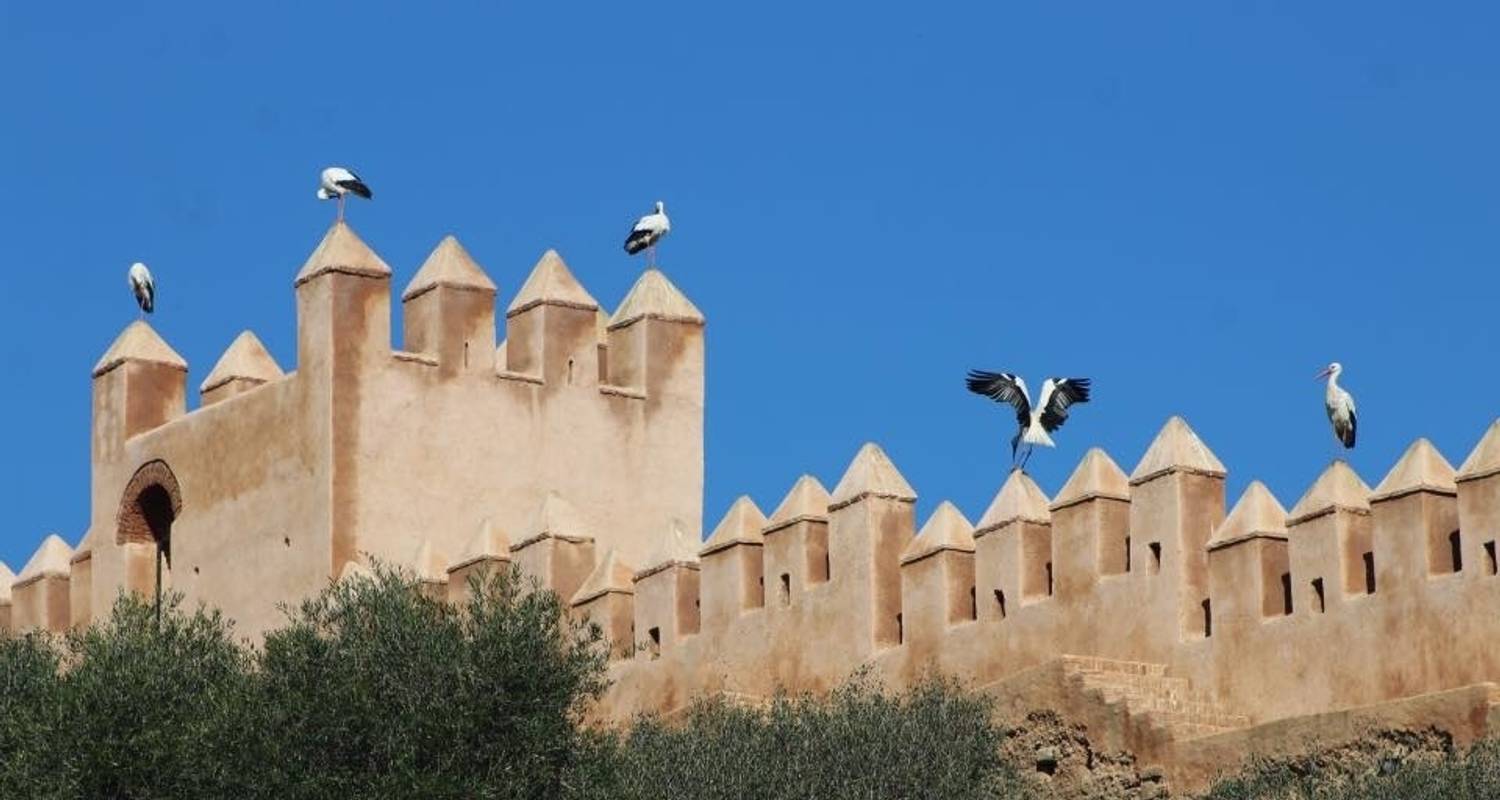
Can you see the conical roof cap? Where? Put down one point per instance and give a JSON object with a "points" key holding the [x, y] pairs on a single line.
{"points": [[611, 574], [807, 499], [342, 251], [245, 359], [1177, 449], [871, 474], [489, 542], [656, 297], [449, 265], [741, 525], [1097, 475], [1337, 488], [551, 282], [1019, 498], [557, 517], [676, 546], [1421, 469], [429, 564], [1485, 458], [50, 558], [1256, 513], [138, 342], [946, 529]]}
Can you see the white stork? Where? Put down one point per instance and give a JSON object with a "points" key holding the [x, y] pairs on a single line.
{"points": [[336, 182], [142, 286], [1340, 405], [1033, 423], [647, 232]]}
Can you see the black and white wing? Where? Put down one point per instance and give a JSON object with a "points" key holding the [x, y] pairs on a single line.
{"points": [[646, 232], [1057, 395], [337, 180], [1345, 421], [1002, 387]]}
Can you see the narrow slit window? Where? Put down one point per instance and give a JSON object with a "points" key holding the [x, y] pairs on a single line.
{"points": [[1127, 553], [1490, 564], [1208, 618], [1369, 573], [827, 568], [900, 630], [1049, 578], [786, 589], [1317, 587], [973, 604], [1286, 593], [1155, 557], [1456, 551], [655, 634], [1000, 602]]}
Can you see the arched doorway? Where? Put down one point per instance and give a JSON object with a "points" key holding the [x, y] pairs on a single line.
{"points": [[151, 502]]}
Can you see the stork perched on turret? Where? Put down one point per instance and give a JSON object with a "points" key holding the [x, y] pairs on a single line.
{"points": [[1340, 405], [647, 231], [1034, 423], [143, 287], [336, 182]]}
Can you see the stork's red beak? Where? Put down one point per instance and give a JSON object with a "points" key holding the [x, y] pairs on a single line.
{"points": [[1322, 373]]}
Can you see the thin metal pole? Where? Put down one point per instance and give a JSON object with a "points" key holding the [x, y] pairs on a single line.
{"points": [[158, 585]]}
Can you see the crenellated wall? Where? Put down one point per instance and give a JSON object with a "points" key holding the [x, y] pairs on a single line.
{"points": [[278, 481], [574, 450], [1145, 569]]}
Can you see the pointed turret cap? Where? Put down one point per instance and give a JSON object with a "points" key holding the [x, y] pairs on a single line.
{"points": [[139, 342], [353, 570], [871, 474], [429, 563], [1421, 469], [1177, 449], [489, 542], [654, 296], [449, 265], [557, 517], [740, 525], [51, 558], [1256, 514], [1485, 459], [807, 499], [676, 546], [6, 579], [611, 574], [551, 282], [342, 251], [1337, 488], [946, 529], [1019, 498], [245, 359], [1097, 475]]}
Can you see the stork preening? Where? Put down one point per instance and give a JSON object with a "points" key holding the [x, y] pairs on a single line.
{"points": [[337, 182], [1034, 424], [1340, 405], [143, 287], [647, 232]]}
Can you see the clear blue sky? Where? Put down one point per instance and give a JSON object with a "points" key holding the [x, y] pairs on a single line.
{"points": [[1196, 204]]}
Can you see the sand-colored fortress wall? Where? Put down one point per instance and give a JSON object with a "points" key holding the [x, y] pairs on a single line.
{"points": [[279, 480], [574, 450]]}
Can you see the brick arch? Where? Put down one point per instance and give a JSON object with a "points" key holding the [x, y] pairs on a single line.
{"points": [[151, 502]]}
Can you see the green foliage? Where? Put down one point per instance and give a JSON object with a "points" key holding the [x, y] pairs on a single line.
{"points": [[1472, 774], [374, 690], [29, 719], [933, 741]]}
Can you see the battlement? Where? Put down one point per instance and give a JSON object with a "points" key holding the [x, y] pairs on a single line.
{"points": [[277, 479], [573, 449], [1356, 596]]}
